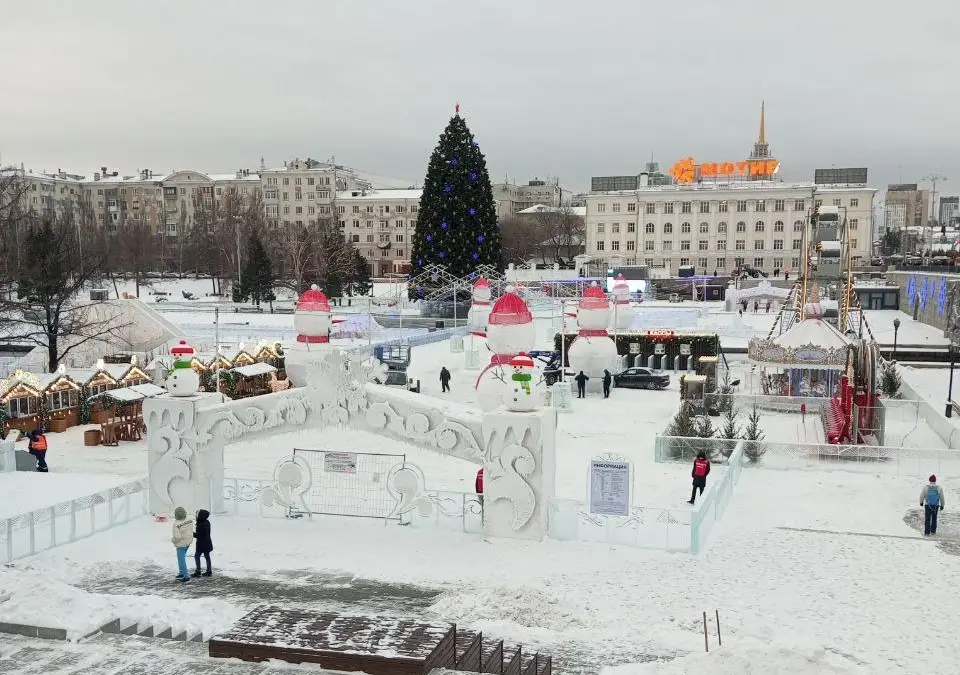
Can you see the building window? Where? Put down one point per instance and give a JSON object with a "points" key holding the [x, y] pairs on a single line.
{"points": [[795, 262], [778, 226], [704, 228], [741, 226], [616, 207], [722, 207], [599, 245], [648, 246], [58, 400], [703, 245], [601, 208], [836, 202], [721, 244], [667, 245], [758, 263], [741, 245], [799, 205], [853, 223], [299, 210], [631, 245], [779, 205], [853, 243], [721, 227], [742, 206], [632, 207], [721, 263], [738, 262], [685, 228], [22, 406], [761, 205], [798, 226], [684, 244], [601, 228], [651, 207], [684, 261], [399, 238], [796, 244], [684, 207], [668, 228], [648, 262], [759, 227], [778, 244], [615, 245], [818, 203], [631, 228], [854, 202], [778, 263], [758, 245], [616, 228], [704, 207], [648, 228], [702, 262], [668, 207]]}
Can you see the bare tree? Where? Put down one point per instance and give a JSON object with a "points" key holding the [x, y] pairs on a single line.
{"points": [[15, 215], [293, 249], [562, 234], [49, 310], [137, 251], [521, 239]]}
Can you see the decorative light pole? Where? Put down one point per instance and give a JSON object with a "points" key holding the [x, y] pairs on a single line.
{"points": [[896, 328]]}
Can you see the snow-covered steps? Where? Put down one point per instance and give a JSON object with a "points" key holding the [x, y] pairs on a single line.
{"points": [[147, 630], [376, 645]]}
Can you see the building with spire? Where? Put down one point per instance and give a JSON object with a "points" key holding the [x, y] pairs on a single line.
{"points": [[761, 149]]}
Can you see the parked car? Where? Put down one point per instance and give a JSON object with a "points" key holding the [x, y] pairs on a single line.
{"points": [[400, 380], [641, 378]]}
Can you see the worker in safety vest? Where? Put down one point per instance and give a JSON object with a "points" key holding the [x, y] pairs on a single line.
{"points": [[701, 469], [38, 448]]}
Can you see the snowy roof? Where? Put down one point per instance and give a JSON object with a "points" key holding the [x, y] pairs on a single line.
{"points": [[812, 344], [379, 194], [149, 390], [543, 208], [813, 332], [255, 369], [135, 393]]}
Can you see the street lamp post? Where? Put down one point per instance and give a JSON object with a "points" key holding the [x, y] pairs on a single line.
{"points": [[953, 360], [896, 327]]}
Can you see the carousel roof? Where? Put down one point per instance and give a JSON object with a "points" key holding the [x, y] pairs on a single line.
{"points": [[811, 344]]}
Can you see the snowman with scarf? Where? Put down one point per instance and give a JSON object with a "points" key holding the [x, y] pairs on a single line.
{"points": [[183, 380], [510, 332]]}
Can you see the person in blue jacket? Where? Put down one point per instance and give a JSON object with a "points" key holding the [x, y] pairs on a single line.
{"points": [[931, 499]]}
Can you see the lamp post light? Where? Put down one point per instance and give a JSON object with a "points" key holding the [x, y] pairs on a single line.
{"points": [[896, 327]]}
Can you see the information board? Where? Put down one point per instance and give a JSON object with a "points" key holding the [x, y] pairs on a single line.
{"points": [[609, 487], [340, 462]]}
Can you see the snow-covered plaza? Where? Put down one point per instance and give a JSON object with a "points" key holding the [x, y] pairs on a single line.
{"points": [[814, 567]]}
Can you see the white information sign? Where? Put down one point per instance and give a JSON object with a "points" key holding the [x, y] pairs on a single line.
{"points": [[609, 487], [659, 348], [684, 350], [340, 462]]}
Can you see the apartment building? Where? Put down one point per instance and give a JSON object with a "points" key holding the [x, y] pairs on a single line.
{"points": [[908, 205], [47, 194], [380, 224], [511, 198], [718, 226]]}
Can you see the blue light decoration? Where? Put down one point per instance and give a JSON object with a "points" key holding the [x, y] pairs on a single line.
{"points": [[942, 297], [453, 161], [473, 143], [476, 256], [419, 262], [473, 212], [442, 255], [444, 225], [926, 290], [473, 176], [448, 188], [912, 291], [429, 238], [480, 238]]}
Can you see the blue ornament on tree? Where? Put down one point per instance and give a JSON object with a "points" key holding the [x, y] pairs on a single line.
{"points": [[419, 262], [442, 255], [448, 188], [473, 176], [453, 162], [480, 239], [476, 255], [473, 212], [429, 238], [444, 225]]}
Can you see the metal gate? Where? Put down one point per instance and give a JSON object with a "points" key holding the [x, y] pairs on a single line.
{"points": [[349, 483]]}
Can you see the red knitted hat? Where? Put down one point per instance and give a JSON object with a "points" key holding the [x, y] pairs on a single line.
{"points": [[594, 298], [933, 478], [313, 300], [509, 310]]}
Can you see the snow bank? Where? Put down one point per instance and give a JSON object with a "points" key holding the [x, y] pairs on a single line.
{"points": [[756, 659], [81, 613]]}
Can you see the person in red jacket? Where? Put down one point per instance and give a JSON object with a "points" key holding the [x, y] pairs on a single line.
{"points": [[701, 469], [479, 486]]}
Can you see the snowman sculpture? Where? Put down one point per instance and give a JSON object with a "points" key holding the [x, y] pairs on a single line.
{"points": [[510, 331], [623, 311], [183, 380], [593, 351], [479, 308], [312, 318], [526, 393]]}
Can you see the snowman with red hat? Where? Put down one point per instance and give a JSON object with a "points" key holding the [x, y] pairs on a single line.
{"points": [[183, 380], [623, 314], [312, 318], [510, 331], [526, 394], [480, 308], [593, 351]]}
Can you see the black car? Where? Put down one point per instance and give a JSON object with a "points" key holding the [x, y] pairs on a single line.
{"points": [[641, 378]]}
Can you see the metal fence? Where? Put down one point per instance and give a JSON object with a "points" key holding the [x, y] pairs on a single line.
{"points": [[716, 500], [349, 483], [33, 531], [645, 527]]}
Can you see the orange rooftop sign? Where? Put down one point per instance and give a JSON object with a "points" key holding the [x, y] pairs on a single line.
{"points": [[685, 171]]}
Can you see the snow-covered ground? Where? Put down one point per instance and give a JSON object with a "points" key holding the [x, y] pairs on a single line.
{"points": [[811, 571]]}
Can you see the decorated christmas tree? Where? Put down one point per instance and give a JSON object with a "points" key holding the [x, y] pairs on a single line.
{"points": [[457, 224]]}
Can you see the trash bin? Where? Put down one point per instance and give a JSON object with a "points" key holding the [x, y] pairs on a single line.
{"points": [[91, 437], [439, 325]]}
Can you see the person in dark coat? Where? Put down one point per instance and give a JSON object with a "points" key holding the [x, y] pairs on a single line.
{"points": [[581, 384], [607, 380], [445, 379], [37, 446], [204, 543], [701, 469]]}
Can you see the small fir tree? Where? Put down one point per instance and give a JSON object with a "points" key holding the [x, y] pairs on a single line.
{"points": [[730, 430], [258, 277], [361, 274], [684, 425], [890, 381], [457, 223], [753, 435]]}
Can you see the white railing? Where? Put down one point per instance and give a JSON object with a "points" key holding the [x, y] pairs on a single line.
{"points": [[33, 531], [645, 527], [716, 500]]}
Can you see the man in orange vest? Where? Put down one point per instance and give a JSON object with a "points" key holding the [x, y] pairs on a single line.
{"points": [[38, 448], [701, 469]]}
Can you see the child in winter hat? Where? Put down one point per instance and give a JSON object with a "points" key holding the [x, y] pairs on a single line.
{"points": [[181, 539]]}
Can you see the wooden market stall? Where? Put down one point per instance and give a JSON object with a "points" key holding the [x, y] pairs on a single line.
{"points": [[20, 395], [62, 398], [242, 358], [127, 422], [253, 380]]}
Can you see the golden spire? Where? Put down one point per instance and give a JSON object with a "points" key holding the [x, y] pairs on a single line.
{"points": [[763, 132]]}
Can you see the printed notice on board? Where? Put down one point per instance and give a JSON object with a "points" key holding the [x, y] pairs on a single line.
{"points": [[340, 462], [609, 487]]}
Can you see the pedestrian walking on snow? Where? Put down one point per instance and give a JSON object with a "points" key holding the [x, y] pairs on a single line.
{"points": [[181, 539], [803, 412], [607, 380], [444, 379], [478, 485], [931, 499], [37, 446], [204, 545], [581, 384], [701, 469]]}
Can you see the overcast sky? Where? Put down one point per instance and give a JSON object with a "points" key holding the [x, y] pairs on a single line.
{"points": [[563, 88]]}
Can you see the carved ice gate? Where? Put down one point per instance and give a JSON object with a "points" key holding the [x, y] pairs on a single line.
{"points": [[187, 437]]}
